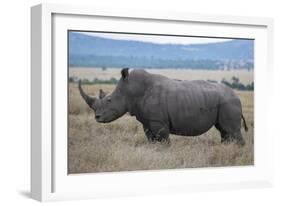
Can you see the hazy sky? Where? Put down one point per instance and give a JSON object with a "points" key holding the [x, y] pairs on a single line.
{"points": [[157, 39]]}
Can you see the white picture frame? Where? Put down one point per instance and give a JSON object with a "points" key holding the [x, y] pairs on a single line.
{"points": [[49, 179]]}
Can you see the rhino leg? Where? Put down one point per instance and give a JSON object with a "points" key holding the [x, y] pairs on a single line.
{"points": [[238, 138], [160, 131], [229, 122], [225, 137], [149, 135]]}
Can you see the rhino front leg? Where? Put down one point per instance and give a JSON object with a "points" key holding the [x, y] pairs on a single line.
{"points": [[160, 132], [149, 135]]}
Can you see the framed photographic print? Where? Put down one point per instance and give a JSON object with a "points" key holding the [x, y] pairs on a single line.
{"points": [[135, 102]]}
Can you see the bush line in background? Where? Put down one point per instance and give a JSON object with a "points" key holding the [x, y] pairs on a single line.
{"points": [[234, 83]]}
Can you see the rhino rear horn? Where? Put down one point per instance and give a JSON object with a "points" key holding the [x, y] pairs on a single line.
{"points": [[89, 100], [102, 94], [125, 73]]}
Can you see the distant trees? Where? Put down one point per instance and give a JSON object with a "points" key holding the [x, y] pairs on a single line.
{"points": [[235, 84], [152, 62], [71, 79], [94, 81]]}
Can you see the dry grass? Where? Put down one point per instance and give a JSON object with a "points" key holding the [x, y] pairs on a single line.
{"points": [[122, 146]]}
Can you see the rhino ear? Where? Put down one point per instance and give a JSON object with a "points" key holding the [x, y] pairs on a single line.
{"points": [[125, 73], [102, 94]]}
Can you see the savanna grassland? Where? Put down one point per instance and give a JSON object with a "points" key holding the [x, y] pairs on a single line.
{"points": [[122, 145]]}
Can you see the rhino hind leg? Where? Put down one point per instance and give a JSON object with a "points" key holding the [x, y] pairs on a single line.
{"points": [[238, 138], [228, 137], [229, 123], [225, 136]]}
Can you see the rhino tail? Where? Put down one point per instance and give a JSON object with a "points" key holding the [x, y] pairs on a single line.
{"points": [[244, 123]]}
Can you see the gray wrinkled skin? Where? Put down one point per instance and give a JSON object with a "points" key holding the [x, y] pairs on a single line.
{"points": [[165, 106]]}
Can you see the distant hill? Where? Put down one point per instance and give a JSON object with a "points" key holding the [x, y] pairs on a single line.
{"points": [[90, 51]]}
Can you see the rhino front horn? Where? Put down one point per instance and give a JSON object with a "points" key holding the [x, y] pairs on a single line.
{"points": [[89, 100]]}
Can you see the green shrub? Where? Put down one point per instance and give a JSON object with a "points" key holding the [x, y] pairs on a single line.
{"points": [[235, 84]]}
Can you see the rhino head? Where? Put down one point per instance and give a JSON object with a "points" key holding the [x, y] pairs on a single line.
{"points": [[108, 107]]}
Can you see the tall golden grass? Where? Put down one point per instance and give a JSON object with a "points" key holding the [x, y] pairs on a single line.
{"points": [[122, 145]]}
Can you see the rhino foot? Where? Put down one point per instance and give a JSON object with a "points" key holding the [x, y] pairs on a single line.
{"points": [[165, 141], [152, 140]]}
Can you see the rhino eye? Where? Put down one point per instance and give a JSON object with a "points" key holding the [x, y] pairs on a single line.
{"points": [[108, 99]]}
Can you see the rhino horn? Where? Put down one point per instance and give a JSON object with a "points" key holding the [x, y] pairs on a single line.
{"points": [[89, 100], [102, 94]]}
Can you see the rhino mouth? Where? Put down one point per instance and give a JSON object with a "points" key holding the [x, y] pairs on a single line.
{"points": [[105, 118], [104, 121], [100, 120]]}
